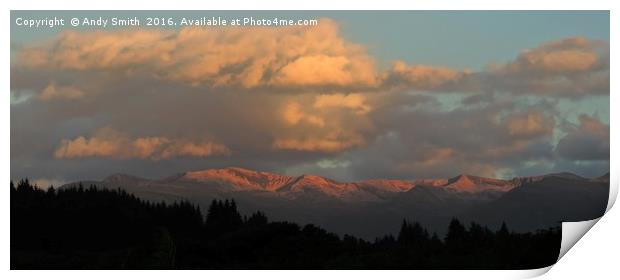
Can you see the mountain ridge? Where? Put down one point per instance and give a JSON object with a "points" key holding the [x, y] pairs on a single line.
{"points": [[246, 179], [369, 207], [243, 179]]}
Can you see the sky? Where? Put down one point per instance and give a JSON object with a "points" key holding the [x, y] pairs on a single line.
{"points": [[407, 94]]}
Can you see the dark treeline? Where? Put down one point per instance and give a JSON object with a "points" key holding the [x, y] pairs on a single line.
{"points": [[89, 228]]}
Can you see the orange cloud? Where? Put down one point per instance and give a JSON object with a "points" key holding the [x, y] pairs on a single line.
{"points": [[302, 58], [319, 70], [82, 147], [331, 123], [593, 126], [530, 124], [191, 149], [293, 115], [439, 155], [569, 67], [60, 92], [569, 55], [243, 57], [111, 144], [422, 76], [354, 101], [333, 142]]}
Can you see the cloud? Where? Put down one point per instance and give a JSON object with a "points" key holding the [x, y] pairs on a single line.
{"points": [[294, 59], [587, 141], [322, 70], [293, 115], [329, 123], [423, 77], [569, 67], [61, 92], [108, 143], [190, 149], [287, 99], [530, 124], [288, 57], [566, 56], [333, 142], [483, 140], [354, 101]]}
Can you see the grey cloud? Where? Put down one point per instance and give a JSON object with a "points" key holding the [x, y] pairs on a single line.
{"points": [[587, 141]]}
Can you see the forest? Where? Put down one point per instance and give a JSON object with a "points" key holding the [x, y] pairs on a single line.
{"points": [[91, 228]]}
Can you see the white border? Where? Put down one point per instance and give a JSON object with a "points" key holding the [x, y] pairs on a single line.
{"points": [[596, 255]]}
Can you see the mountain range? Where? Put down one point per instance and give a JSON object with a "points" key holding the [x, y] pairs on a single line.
{"points": [[371, 208]]}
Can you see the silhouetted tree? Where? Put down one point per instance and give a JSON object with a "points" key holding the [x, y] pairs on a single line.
{"points": [[257, 219], [96, 228], [456, 237], [222, 217]]}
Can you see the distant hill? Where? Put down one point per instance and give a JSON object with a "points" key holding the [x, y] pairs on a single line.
{"points": [[371, 208]]}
